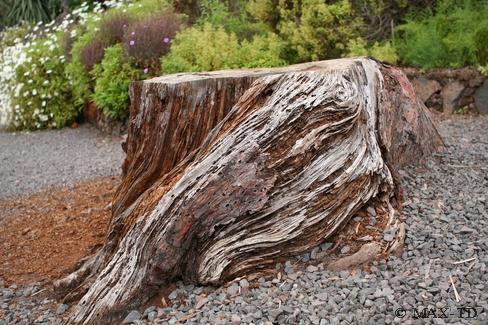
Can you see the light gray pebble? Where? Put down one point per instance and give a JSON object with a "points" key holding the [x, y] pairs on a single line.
{"points": [[132, 317]]}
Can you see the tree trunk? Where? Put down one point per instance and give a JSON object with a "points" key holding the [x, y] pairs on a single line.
{"points": [[228, 171]]}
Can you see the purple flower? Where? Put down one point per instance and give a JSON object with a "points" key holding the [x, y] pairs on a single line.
{"points": [[166, 40], [124, 26], [146, 70], [133, 33], [132, 43]]}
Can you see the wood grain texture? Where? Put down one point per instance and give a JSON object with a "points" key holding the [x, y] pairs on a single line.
{"points": [[227, 171]]}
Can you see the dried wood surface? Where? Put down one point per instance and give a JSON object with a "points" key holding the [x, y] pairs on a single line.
{"points": [[227, 171]]}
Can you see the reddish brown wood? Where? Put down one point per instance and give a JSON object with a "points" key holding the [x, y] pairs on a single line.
{"points": [[228, 171]]}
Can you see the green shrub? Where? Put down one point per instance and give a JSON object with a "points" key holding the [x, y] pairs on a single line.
{"points": [[316, 30], [483, 69], [203, 48], [113, 77], [81, 81], [141, 8], [480, 39], [455, 36], [383, 52], [357, 47], [262, 51], [265, 13], [42, 97], [210, 48], [218, 13]]}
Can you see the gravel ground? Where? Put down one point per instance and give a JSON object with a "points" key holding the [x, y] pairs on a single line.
{"points": [[446, 206], [36, 160]]}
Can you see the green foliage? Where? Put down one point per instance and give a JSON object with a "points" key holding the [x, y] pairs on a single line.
{"points": [[210, 48], [113, 77], [217, 13], [382, 52], [203, 48], [42, 96], [29, 10], [358, 47], [11, 35], [262, 51], [316, 30], [483, 69], [141, 8], [454, 36], [81, 81], [265, 13]]}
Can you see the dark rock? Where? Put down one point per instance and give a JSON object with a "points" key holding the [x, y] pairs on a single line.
{"points": [[481, 98]]}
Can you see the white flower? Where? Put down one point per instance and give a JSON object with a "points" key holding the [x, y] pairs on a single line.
{"points": [[49, 71], [45, 83], [34, 92], [43, 103], [43, 118]]}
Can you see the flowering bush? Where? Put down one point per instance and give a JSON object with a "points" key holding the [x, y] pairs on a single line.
{"points": [[34, 89], [113, 76], [113, 26], [149, 39], [91, 41], [42, 95]]}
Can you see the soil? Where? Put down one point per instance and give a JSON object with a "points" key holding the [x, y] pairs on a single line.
{"points": [[44, 235]]}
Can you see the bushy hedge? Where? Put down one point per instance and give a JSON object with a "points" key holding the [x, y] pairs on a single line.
{"points": [[42, 96], [456, 35], [113, 77], [210, 48], [50, 71]]}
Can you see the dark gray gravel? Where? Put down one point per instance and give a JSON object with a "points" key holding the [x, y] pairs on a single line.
{"points": [[36, 160], [446, 206]]}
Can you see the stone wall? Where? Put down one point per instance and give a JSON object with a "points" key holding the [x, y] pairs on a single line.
{"points": [[451, 89]]}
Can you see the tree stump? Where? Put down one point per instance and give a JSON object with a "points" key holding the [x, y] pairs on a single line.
{"points": [[228, 171]]}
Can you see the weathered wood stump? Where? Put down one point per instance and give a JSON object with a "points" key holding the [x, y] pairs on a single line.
{"points": [[227, 171]]}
